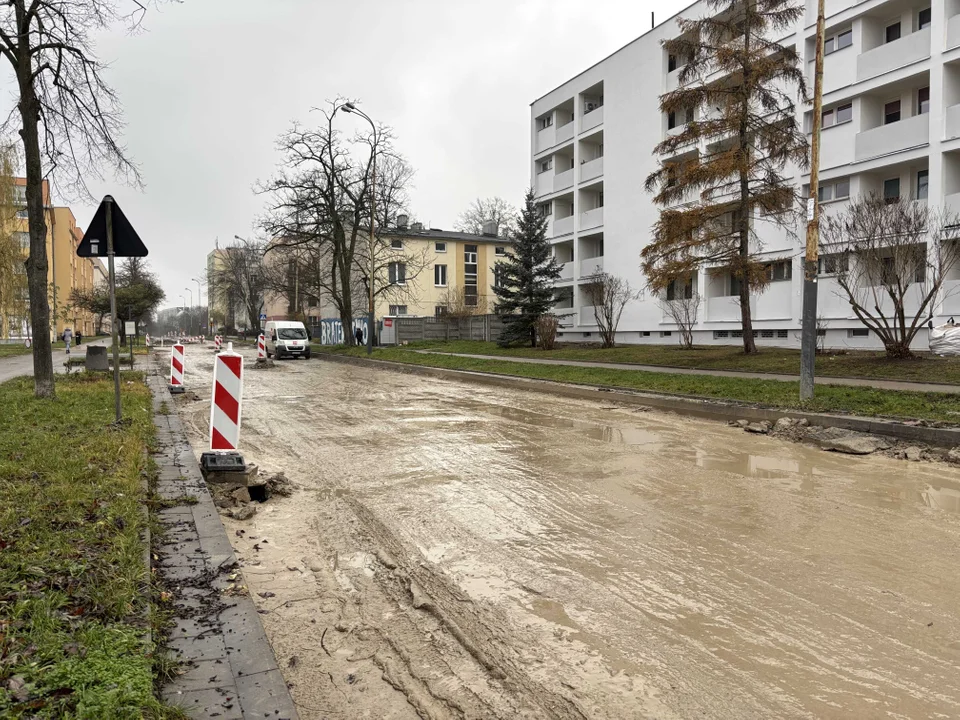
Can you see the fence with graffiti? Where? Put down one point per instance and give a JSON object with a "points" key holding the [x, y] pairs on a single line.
{"points": [[331, 331]]}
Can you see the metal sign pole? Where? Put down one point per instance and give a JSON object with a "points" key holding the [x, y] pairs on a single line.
{"points": [[108, 201]]}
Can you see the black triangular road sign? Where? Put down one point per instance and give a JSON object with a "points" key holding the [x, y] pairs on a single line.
{"points": [[126, 242]]}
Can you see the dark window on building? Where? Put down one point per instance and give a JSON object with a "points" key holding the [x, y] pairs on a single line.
{"points": [[441, 247], [893, 32], [398, 273], [891, 190], [844, 113], [844, 39], [396, 244], [440, 311], [440, 275], [832, 264], [891, 112], [671, 62], [923, 100], [923, 184], [924, 18]]}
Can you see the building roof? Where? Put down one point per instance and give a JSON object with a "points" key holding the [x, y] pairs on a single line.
{"points": [[437, 234]]}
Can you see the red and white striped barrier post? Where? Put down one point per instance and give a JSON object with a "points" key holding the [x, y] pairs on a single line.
{"points": [[226, 401], [176, 369], [217, 341], [261, 348]]}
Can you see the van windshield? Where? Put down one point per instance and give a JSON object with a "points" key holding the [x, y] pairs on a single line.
{"points": [[291, 334]]}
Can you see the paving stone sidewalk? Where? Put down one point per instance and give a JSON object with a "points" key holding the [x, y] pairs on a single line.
{"points": [[231, 672]]}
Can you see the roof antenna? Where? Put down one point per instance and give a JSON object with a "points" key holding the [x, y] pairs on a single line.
{"points": [[652, 23]]}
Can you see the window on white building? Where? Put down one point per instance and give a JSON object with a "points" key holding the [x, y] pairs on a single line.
{"points": [[780, 271], [440, 247], [858, 332], [891, 112], [923, 184], [924, 18], [396, 244], [832, 263], [500, 251], [545, 165], [545, 122], [398, 310], [891, 190], [397, 272], [838, 42], [892, 32], [923, 100], [440, 275]]}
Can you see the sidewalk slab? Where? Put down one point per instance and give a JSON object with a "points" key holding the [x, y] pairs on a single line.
{"points": [[228, 667]]}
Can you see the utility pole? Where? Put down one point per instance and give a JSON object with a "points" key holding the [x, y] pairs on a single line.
{"points": [[808, 334]]}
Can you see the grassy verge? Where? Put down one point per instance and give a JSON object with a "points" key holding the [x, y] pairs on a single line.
{"points": [[17, 349], [73, 586], [854, 363], [863, 401]]}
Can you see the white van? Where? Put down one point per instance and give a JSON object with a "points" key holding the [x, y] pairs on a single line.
{"points": [[286, 337]]}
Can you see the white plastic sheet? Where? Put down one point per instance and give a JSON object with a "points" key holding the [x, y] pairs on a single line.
{"points": [[945, 340]]}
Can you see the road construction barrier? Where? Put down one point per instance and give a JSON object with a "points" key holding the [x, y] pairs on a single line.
{"points": [[176, 368], [217, 342], [261, 347], [226, 402]]}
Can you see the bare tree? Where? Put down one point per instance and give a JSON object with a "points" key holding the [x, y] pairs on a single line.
{"points": [[681, 303], [239, 278], [609, 295], [483, 210], [69, 122], [319, 201], [547, 326], [454, 299], [890, 260]]}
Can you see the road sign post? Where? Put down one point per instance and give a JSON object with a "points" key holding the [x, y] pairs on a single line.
{"points": [[110, 228]]}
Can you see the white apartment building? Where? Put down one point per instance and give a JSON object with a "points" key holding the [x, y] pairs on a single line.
{"points": [[891, 125]]}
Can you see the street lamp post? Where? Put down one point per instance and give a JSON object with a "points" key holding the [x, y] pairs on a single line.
{"points": [[200, 305], [183, 302], [190, 314], [351, 108]]}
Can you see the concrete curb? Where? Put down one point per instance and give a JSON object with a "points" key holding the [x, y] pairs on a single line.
{"points": [[230, 668], [697, 407]]}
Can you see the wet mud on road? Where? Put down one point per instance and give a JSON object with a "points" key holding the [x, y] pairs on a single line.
{"points": [[463, 551]]}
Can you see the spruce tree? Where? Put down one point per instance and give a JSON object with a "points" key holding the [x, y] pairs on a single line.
{"points": [[525, 289]]}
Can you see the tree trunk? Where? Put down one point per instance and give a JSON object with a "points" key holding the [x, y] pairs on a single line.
{"points": [[37, 262], [533, 336]]}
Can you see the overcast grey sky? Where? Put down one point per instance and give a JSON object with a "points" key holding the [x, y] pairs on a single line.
{"points": [[211, 83]]}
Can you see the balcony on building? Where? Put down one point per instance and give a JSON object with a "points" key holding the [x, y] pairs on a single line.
{"points": [[590, 252], [841, 46], [908, 180], [952, 8], [562, 218], [889, 43], [674, 65], [564, 302], [951, 181], [563, 253], [556, 126], [591, 157], [591, 107], [591, 207], [894, 119], [723, 297]]}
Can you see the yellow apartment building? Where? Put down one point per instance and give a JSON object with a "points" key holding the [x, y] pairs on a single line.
{"points": [[65, 271], [431, 272]]}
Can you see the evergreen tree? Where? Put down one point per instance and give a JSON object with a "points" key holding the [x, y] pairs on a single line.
{"points": [[525, 289], [733, 135]]}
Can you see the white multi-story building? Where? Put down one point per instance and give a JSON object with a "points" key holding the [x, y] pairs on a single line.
{"points": [[891, 125]]}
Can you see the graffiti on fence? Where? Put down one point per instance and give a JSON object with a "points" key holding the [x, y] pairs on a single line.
{"points": [[331, 330]]}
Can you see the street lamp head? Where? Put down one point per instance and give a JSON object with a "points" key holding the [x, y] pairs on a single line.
{"points": [[349, 107]]}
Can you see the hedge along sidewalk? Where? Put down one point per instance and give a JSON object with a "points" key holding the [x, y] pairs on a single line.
{"points": [[863, 401], [74, 588]]}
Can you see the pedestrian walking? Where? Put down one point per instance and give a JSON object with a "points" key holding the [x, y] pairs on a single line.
{"points": [[358, 333], [67, 337], [79, 338]]}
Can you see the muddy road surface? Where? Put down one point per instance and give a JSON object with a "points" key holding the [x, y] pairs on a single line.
{"points": [[461, 551]]}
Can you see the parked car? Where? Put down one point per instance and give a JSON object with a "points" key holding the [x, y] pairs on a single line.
{"points": [[287, 337]]}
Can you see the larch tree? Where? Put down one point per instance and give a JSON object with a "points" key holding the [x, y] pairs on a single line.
{"points": [[735, 100], [525, 290], [68, 119]]}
